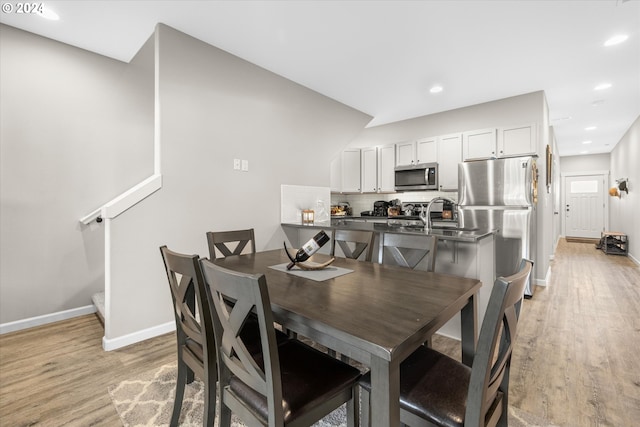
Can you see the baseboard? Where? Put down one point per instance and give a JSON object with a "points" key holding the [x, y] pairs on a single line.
{"points": [[547, 279], [136, 337], [634, 259], [31, 322]]}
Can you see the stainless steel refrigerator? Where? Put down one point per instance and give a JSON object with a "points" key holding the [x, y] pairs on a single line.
{"points": [[498, 194]]}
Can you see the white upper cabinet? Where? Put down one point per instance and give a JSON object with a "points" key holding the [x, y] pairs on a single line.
{"points": [[449, 156], [386, 168], [517, 140], [414, 152], [427, 150], [369, 165], [494, 143], [479, 144], [405, 153], [351, 170]]}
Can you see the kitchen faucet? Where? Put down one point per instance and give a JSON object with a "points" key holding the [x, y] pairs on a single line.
{"points": [[426, 216]]}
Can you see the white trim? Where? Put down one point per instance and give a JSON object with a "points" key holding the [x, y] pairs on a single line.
{"points": [[107, 276], [135, 337], [634, 259], [19, 325]]}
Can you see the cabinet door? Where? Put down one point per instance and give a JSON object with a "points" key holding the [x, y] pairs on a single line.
{"points": [[351, 171], [479, 144], [386, 166], [369, 165], [427, 150], [517, 140], [405, 153], [449, 155]]}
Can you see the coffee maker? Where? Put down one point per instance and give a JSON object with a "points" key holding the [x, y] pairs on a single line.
{"points": [[380, 208]]}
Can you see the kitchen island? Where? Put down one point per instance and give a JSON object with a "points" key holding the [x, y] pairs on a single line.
{"points": [[461, 252]]}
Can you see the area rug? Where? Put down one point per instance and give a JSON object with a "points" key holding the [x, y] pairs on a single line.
{"points": [[147, 401]]}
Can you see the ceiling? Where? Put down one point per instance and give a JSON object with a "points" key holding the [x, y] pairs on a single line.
{"points": [[382, 57]]}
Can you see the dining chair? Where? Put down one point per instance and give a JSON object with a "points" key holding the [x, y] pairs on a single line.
{"points": [[222, 242], [408, 250], [438, 390], [194, 330], [291, 384], [353, 243]]}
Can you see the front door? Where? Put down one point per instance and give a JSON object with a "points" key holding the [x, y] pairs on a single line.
{"points": [[584, 206]]}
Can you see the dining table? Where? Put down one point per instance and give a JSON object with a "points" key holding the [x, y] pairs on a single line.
{"points": [[375, 314]]}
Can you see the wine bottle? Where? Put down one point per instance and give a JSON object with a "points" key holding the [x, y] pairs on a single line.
{"points": [[308, 249]]}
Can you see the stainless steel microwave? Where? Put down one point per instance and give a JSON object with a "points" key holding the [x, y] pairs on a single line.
{"points": [[423, 176]]}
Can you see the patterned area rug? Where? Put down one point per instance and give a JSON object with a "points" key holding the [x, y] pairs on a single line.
{"points": [[148, 401]]}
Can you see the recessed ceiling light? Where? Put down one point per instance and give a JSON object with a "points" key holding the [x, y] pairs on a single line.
{"points": [[587, 142], [561, 119], [617, 39], [436, 89], [591, 128], [49, 14], [602, 86], [584, 152]]}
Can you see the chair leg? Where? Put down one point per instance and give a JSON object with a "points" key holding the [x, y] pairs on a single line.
{"points": [[181, 381], [353, 408], [365, 405], [225, 414], [210, 399]]}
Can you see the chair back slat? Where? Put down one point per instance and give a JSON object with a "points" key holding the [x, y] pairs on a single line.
{"points": [[409, 250], [353, 243], [250, 296], [230, 243], [490, 370], [192, 306]]}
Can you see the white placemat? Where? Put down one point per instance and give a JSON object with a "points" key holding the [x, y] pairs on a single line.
{"points": [[326, 273]]}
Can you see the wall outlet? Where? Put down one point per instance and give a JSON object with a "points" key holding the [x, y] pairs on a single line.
{"points": [[236, 164]]}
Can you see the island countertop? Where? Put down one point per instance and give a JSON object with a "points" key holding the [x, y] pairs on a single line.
{"points": [[444, 233]]}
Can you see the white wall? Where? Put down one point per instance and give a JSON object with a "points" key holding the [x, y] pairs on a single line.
{"points": [[215, 107], [517, 110], [623, 211], [75, 131]]}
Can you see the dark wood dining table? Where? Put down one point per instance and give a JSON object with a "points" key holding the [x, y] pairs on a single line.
{"points": [[376, 314]]}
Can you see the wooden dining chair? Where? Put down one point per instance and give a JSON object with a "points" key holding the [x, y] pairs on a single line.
{"points": [[353, 243], [438, 390], [194, 330], [291, 384], [408, 250], [221, 242]]}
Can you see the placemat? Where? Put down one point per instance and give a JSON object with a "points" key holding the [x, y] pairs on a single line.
{"points": [[327, 273]]}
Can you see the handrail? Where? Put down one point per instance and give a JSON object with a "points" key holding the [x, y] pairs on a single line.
{"points": [[124, 201]]}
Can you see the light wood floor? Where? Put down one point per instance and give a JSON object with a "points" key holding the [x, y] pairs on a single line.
{"points": [[576, 362]]}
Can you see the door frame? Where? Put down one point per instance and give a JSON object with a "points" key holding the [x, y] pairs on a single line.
{"points": [[604, 174]]}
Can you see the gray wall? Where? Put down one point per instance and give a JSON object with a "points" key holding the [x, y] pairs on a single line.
{"points": [[623, 211], [215, 107], [586, 163], [517, 110], [75, 131]]}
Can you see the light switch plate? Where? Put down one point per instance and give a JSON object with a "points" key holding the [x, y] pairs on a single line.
{"points": [[245, 165]]}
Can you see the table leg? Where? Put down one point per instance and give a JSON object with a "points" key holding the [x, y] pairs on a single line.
{"points": [[385, 393], [469, 330]]}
